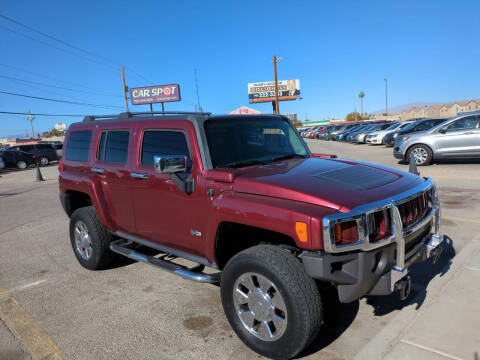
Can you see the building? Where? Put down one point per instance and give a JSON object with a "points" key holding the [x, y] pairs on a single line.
{"points": [[441, 110]]}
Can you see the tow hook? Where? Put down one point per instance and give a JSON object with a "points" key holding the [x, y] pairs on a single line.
{"points": [[404, 286]]}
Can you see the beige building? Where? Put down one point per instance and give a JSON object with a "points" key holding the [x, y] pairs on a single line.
{"points": [[442, 111]]}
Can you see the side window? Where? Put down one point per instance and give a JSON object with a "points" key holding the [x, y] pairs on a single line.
{"points": [[78, 144], [470, 122], [113, 146], [163, 142]]}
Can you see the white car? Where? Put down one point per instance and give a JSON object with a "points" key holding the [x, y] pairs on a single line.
{"points": [[376, 137]]}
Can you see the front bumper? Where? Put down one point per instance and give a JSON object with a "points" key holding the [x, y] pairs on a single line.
{"points": [[373, 140], [368, 268]]}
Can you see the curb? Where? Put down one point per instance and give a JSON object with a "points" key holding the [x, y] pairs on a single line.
{"points": [[380, 345]]}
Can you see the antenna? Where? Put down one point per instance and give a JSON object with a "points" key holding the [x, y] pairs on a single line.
{"points": [[198, 96]]}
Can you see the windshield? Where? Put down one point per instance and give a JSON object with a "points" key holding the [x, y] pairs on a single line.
{"points": [[253, 140], [393, 126]]}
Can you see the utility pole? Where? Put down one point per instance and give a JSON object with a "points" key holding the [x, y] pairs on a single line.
{"points": [[124, 89], [275, 59], [30, 118], [386, 96]]}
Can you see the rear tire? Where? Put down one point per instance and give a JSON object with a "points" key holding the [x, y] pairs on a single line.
{"points": [[44, 161], [273, 306], [90, 239], [422, 153]]}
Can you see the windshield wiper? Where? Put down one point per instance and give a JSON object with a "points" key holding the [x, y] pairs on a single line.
{"points": [[288, 156], [238, 164]]}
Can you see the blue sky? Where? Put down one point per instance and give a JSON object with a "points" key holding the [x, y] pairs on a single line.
{"points": [[428, 50]]}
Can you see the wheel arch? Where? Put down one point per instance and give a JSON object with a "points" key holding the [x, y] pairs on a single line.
{"points": [[416, 144]]}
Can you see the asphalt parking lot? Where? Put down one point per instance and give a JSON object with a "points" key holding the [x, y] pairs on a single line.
{"points": [[135, 311]]}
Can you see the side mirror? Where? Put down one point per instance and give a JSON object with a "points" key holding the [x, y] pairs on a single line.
{"points": [[442, 131], [169, 164]]}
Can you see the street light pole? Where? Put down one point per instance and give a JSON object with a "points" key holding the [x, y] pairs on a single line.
{"points": [[386, 96], [275, 59], [31, 117]]}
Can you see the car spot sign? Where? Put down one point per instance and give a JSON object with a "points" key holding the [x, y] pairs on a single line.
{"points": [[155, 94]]}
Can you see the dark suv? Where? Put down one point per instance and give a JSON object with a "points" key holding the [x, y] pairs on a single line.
{"points": [[15, 158], [45, 153], [244, 196]]}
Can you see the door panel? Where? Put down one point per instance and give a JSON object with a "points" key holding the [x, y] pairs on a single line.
{"points": [[460, 138], [163, 213]]}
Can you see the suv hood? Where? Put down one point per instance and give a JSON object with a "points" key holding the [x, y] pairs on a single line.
{"points": [[337, 184]]}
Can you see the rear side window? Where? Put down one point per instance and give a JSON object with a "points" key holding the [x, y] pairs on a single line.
{"points": [[78, 144], [113, 146], [163, 142]]}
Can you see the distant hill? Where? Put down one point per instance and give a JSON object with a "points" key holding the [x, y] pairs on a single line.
{"points": [[400, 108]]}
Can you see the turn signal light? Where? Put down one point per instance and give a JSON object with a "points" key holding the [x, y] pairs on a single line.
{"points": [[405, 138], [301, 230], [345, 232]]}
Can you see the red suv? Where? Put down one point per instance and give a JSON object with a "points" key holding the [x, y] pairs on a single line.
{"points": [[243, 195]]}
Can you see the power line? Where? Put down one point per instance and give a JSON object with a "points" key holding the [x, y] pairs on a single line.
{"points": [[47, 77], [65, 43], [24, 113], [57, 87], [62, 101]]}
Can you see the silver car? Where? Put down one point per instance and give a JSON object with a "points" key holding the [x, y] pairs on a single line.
{"points": [[457, 137]]}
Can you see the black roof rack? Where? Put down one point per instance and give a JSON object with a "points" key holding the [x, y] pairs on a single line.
{"points": [[130, 115]]}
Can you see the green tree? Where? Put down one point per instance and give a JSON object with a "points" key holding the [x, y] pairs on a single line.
{"points": [[353, 116], [361, 96], [51, 133], [297, 123]]}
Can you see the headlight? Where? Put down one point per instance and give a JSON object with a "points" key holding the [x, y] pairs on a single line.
{"points": [[395, 135]]}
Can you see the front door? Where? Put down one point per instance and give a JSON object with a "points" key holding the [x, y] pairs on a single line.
{"points": [[458, 138], [163, 213]]}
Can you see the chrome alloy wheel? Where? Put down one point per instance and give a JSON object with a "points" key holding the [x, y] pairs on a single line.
{"points": [[420, 155], [82, 240], [260, 306], [44, 161]]}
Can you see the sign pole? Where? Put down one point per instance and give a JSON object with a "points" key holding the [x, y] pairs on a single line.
{"points": [[163, 108], [151, 108], [276, 83], [124, 90]]}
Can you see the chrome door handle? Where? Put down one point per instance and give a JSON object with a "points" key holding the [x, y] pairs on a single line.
{"points": [[97, 170], [139, 176]]}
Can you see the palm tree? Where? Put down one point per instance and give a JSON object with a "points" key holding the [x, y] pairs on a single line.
{"points": [[361, 96]]}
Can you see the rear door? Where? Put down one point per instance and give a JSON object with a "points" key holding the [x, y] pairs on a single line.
{"points": [[460, 138], [111, 173]]}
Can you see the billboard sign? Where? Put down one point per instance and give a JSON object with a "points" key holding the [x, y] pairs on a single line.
{"points": [[265, 91], [155, 94], [60, 126]]}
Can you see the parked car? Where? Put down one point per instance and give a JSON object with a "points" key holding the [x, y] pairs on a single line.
{"points": [[457, 137], [319, 133], [333, 134], [16, 158], [244, 196], [324, 134], [418, 125], [45, 153], [377, 137], [360, 136], [318, 130], [342, 136], [2, 163], [59, 150]]}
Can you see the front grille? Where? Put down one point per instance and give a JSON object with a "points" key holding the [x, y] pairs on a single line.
{"points": [[414, 210]]}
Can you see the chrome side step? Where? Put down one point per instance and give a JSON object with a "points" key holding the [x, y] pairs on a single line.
{"points": [[195, 273]]}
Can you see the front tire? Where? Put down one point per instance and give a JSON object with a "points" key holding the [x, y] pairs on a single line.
{"points": [[90, 239], [422, 154], [21, 164], [273, 306]]}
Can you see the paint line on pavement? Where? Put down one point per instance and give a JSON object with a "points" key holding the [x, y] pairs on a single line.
{"points": [[426, 348], [475, 221], [472, 268], [26, 286], [24, 327]]}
